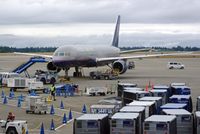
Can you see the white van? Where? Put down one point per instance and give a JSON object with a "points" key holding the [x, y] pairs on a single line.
{"points": [[175, 65]]}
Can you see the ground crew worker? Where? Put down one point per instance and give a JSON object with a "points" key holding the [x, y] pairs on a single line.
{"points": [[11, 117], [53, 90]]}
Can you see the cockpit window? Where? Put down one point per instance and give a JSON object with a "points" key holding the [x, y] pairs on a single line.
{"points": [[56, 54]]}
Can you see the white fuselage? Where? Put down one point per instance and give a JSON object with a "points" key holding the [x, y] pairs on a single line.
{"points": [[83, 55]]}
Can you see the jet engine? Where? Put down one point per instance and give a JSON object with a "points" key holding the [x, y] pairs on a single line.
{"points": [[51, 67], [120, 65]]}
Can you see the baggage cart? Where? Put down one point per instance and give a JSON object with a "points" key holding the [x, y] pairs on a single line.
{"points": [[158, 102], [163, 87], [124, 123], [197, 122], [174, 106], [103, 109], [137, 109], [130, 95], [160, 124], [198, 104], [187, 99], [184, 120], [121, 86], [91, 124], [160, 93], [181, 90], [149, 106], [113, 101]]}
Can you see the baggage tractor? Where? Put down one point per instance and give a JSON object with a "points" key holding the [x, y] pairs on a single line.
{"points": [[91, 124], [158, 102], [124, 123], [149, 106], [137, 109], [160, 124], [187, 99], [184, 120]]}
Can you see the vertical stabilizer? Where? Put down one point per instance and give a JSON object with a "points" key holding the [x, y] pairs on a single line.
{"points": [[116, 34]]}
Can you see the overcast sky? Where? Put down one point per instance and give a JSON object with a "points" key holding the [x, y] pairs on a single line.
{"points": [[97, 17]]}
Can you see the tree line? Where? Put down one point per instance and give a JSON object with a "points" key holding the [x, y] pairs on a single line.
{"points": [[6, 49]]}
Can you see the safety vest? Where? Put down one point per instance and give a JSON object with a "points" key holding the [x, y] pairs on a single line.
{"points": [[53, 89]]}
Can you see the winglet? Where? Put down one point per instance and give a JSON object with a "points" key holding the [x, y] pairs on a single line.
{"points": [[116, 34]]}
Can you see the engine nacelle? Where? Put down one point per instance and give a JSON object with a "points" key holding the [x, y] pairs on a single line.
{"points": [[51, 67], [120, 66]]}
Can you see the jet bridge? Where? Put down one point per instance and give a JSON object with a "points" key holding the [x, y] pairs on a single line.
{"points": [[23, 67]]}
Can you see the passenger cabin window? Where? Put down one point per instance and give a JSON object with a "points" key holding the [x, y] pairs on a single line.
{"points": [[61, 54]]}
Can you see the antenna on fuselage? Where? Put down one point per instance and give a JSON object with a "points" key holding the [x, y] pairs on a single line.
{"points": [[116, 34]]}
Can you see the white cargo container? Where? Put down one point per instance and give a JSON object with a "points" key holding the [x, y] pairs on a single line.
{"points": [[91, 124], [136, 109], [160, 124], [36, 85], [124, 123], [103, 109], [93, 91], [198, 104], [111, 102], [197, 122], [130, 95], [184, 120], [158, 102], [149, 106], [160, 93], [174, 106]]}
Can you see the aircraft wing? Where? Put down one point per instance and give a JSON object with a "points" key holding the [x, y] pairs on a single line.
{"points": [[139, 56], [34, 54], [136, 50]]}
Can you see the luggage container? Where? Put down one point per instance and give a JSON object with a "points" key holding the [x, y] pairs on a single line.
{"points": [[197, 122], [91, 124], [137, 109], [163, 87], [181, 90], [149, 106], [124, 123], [174, 106], [121, 87], [184, 120], [160, 93], [198, 104], [160, 124], [158, 102], [187, 99], [111, 102], [103, 109], [130, 95], [177, 84]]}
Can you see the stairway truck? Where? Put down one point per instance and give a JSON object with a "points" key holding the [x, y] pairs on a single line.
{"points": [[124, 123], [91, 124], [184, 120], [149, 107], [158, 102], [197, 122], [160, 124], [160, 93], [186, 99], [122, 86], [13, 127], [129, 95], [136, 109], [198, 104], [103, 109]]}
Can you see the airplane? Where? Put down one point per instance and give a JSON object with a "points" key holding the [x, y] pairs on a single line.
{"points": [[68, 56]]}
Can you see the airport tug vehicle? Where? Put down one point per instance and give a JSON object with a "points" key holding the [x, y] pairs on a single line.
{"points": [[36, 104], [13, 127]]}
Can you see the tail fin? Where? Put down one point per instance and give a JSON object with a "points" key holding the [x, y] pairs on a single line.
{"points": [[116, 34]]}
